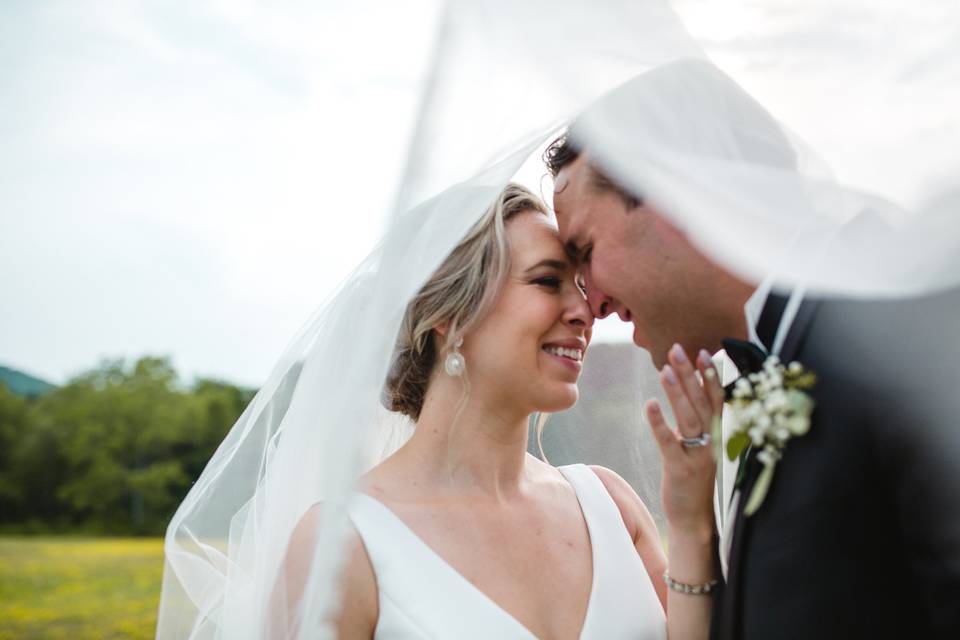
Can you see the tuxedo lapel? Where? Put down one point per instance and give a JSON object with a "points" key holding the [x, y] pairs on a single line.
{"points": [[769, 320], [793, 345], [767, 325]]}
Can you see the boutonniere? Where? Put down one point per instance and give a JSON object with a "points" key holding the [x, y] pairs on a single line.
{"points": [[770, 407]]}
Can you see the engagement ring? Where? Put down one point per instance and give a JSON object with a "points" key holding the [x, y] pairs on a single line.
{"points": [[700, 441]]}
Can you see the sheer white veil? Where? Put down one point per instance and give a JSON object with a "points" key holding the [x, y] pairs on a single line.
{"points": [[664, 121]]}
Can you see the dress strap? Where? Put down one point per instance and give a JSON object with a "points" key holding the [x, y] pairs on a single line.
{"points": [[623, 593], [601, 512], [381, 530]]}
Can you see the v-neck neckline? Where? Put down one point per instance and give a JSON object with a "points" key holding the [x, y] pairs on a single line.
{"points": [[450, 569]]}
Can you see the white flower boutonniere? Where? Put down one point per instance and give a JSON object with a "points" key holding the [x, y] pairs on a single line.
{"points": [[769, 408]]}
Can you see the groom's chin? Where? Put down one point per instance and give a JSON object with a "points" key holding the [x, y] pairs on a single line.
{"points": [[638, 338], [643, 341]]}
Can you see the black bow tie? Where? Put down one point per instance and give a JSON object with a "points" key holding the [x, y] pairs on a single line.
{"points": [[748, 357]]}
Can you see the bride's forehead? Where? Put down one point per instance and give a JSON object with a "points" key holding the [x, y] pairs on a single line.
{"points": [[535, 235], [533, 226], [532, 219]]}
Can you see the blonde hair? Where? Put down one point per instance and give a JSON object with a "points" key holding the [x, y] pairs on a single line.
{"points": [[459, 293]]}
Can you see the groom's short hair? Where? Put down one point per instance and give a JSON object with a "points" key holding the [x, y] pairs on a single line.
{"points": [[689, 109], [564, 151], [560, 153]]}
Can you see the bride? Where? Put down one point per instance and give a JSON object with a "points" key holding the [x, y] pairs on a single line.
{"points": [[462, 533]]}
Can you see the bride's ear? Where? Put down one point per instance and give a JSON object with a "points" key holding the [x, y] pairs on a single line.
{"points": [[442, 329]]}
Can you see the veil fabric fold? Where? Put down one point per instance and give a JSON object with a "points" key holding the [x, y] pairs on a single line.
{"points": [[505, 78]]}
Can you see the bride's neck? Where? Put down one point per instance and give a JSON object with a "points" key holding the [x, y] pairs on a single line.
{"points": [[472, 443]]}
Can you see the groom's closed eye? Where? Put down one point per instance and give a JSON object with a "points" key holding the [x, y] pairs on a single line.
{"points": [[572, 250], [577, 254]]}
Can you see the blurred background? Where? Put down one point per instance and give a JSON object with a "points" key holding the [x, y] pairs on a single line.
{"points": [[181, 184]]}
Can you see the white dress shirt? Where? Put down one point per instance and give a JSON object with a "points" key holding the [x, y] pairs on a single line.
{"points": [[726, 500]]}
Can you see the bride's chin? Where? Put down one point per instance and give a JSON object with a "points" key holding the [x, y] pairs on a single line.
{"points": [[560, 401]]}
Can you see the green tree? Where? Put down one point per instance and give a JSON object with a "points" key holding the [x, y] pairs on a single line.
{"points": [[114, 450], [13, 425]]}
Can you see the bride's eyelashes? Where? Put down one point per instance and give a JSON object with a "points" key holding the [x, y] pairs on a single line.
{"points": [[550, 282], [554, 283]]}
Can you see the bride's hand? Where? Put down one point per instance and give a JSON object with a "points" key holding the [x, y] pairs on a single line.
{"points": [[688, 472]]}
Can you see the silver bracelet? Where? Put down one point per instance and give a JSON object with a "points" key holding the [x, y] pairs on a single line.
{"points": [[690, 589]]}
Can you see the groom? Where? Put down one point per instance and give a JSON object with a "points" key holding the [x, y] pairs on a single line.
{"points": [[859, 533]]}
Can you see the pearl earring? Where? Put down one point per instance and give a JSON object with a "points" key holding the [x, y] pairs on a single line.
{"points": [[455, 365]]}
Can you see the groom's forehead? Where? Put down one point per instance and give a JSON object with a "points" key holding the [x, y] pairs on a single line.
{"points": [[561, 183], [576, 185], [568, 190], [563, 209], [568, 219], [567, 227], [581, 180]]}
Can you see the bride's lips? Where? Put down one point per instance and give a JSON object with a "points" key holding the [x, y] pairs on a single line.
{"points": [[568, 353]]}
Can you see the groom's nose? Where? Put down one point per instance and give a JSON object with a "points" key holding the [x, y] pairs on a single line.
{"points": [[600, 304]]}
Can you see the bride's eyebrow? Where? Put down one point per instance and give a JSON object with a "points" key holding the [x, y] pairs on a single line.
{"points": [[553, 263]]}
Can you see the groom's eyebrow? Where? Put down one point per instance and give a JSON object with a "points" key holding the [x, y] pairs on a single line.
{"points": [[572, 250], [602, 183], [559, 265]]}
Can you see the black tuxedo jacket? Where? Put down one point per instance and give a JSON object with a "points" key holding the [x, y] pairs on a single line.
{"points": [[859, 534]]}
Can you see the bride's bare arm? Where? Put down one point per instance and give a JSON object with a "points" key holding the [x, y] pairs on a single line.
{"points": [[358, 615]]}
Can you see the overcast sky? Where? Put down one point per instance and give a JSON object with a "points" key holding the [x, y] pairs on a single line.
{"points": [[167, 184]]}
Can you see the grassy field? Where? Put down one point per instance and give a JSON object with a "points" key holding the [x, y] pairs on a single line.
{"points": [[79, 588]]}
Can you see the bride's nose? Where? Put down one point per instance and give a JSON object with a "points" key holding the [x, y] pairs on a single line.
{"points": [[577, 312]]}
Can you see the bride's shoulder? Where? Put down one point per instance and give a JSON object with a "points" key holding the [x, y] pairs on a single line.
{"points": [[304, 537], [390, 480], [636, 516], [360, 609]]}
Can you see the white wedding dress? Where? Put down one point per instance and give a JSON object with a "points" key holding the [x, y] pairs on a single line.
{"points": [[421, 596]]}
